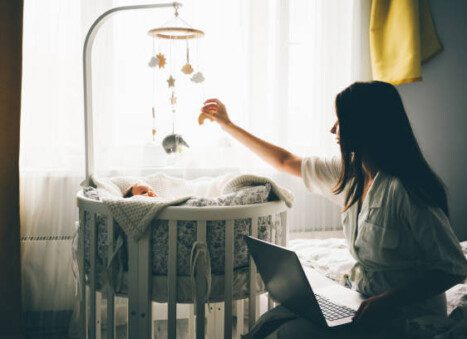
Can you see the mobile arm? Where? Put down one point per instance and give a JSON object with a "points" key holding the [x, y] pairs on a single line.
{"points": [[87, 77]]}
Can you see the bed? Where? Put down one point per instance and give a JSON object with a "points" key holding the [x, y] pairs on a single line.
{"points": [[331, 257]]}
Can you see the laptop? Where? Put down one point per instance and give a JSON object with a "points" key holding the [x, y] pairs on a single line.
{"points": [[287, 283]]}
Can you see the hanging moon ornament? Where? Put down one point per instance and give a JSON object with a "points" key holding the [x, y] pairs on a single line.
{"points": [[174, 143], [202, 117]]}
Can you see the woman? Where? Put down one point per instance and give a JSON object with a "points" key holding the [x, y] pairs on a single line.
{"points": [[394, 209]]}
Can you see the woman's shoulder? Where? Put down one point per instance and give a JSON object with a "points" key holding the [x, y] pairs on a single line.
{"points": [[327, 167], [320, 175], [396, 193], [396, 187], [405, 201], [330, 160]]}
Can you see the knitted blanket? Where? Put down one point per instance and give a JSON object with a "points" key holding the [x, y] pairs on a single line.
{"points": [[136, 213]]}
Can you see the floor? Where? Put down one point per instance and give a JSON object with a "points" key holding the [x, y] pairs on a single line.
{"points": [[35, 328]]}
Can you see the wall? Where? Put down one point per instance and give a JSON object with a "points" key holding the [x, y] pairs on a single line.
{"points": [[11, 14], [437, 107]]}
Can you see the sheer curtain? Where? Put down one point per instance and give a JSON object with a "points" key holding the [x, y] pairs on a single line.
{"points": [[277, 65]]}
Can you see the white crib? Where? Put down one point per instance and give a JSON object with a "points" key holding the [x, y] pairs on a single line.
{"points": [[140, 317]]}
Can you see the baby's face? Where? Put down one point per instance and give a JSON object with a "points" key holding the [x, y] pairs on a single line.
{"points": [[142, 189]]}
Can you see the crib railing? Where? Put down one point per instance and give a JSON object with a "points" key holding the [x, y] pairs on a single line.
{"points": [[140, 317]]}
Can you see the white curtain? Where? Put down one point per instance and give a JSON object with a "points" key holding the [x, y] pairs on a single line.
{"points": [[277, 65]]}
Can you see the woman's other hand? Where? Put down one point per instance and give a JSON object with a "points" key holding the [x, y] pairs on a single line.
{"points": [[215, 110], [373, 312]]}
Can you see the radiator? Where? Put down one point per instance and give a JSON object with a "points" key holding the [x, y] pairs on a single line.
{"points": [[47, 276]]}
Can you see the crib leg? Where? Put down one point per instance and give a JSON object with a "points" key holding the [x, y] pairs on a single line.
{"points": [[93, 278], [215, 319], [253, 299], [191, 322], [82, 282], [110, 295], [153, 318], [172, 282], [200, 305], [133, 310], [240, 310], [210, 318], [144, 288], [200, 321], [98, 315], [284, 228], [258, 306]]}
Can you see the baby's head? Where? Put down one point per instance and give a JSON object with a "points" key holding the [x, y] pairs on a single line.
{"points": [[140, 189]]}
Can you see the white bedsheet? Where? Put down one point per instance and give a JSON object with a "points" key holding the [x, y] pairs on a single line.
{"points": [[332, 258], [329, 256]]}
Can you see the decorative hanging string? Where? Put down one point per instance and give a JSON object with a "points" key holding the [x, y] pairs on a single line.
{"points": [[153, 131], [172, 102], [176, 18], [174, 30], [187, 68]]}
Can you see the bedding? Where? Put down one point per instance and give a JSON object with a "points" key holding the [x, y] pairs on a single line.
{"points": [[332, 258], [134, 214]]}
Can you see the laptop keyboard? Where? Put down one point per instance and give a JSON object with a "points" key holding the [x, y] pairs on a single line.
{"points": [[332, 311]]}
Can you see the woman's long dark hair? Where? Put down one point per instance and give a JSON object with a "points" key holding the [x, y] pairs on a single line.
{"points": [[374, 127]]}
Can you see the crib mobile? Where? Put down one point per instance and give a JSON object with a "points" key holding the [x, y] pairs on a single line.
{"points": [[170, 35]]}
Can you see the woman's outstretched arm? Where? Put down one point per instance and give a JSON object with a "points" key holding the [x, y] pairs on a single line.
{"points": [[278, 157]]}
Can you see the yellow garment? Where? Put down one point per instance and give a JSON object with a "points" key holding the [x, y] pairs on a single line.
{"points": [[402, 37]]}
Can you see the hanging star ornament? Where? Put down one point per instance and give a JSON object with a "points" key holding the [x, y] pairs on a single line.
{"points": [[171, 81], [173, 99], [161, 60], [153, 62], [197, 77]]}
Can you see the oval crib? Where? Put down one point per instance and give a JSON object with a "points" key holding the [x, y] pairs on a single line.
{"points": [[139, 259], [140, 317]]}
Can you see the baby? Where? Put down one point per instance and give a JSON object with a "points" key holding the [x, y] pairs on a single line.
{"points": [[140, 189]]}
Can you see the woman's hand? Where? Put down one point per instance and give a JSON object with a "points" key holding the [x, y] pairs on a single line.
{"points": [[215, 110], [278, 157], [374, 311]]}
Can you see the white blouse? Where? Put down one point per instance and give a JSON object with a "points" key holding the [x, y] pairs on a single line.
{"points": [[393, 239]]}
